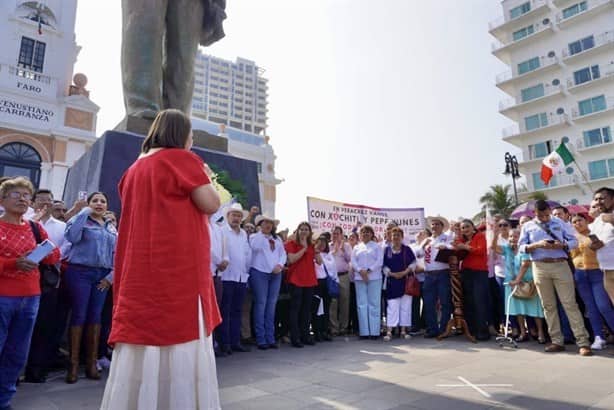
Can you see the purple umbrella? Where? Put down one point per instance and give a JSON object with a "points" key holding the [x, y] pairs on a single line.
{"points": [[528, 208]]}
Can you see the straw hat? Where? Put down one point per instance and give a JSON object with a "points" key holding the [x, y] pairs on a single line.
{"points": [[265, 217], [444, 221], [236, 207]]}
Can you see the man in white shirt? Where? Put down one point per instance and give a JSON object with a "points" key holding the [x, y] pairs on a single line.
{"points": [[234, 279], [603, 229], [437, 277], [219, 262]]}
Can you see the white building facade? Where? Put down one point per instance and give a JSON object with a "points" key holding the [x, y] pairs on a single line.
{"points": [[46, 121], [230, 93], [561, 86]]}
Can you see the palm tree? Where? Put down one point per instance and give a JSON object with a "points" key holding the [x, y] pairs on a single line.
{"points": [[498, 200], [537, 195]]}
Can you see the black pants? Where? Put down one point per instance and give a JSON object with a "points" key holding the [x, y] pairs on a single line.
{"points": [[353, 322], [300, 312], [496, 314], [417, 316], [476, 301], [320, 323], [105, 324], [42, 348]]}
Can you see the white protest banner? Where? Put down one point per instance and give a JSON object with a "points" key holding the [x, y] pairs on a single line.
{"points": [[325, 215]]}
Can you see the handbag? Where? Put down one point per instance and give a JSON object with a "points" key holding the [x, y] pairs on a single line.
{"points": [[412, 286], [332, 286], [525, 290], [49, 274]]}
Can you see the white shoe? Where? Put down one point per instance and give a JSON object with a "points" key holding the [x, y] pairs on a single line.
{"points": [[598, 344]]}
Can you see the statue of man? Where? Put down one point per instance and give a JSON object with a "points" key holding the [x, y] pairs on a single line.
{"points": [[159, 43]]}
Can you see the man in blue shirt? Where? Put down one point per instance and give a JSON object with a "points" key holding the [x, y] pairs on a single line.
{"points": [[548, 242]]}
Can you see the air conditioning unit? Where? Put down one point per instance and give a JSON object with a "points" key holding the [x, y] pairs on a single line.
{"points": [[546, 21], [551, 54], [556, 82], [560, 111]]}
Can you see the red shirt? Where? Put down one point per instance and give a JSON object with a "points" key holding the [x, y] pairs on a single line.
{"points": [[16, 241], [477, 258], [162, 261], [302, 273]]}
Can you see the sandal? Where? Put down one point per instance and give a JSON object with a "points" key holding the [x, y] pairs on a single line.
{"points": [[522, 338], [388, 337], [404, 335]]}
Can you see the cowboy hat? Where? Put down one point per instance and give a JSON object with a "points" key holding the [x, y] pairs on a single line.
{"points": [[444, 221], [236, 207], [265, 217]]}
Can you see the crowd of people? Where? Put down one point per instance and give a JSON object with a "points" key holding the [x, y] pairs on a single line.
{"points": [[240, 280]]}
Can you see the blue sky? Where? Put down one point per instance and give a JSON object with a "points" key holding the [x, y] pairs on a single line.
{"points": [[388, 104]]}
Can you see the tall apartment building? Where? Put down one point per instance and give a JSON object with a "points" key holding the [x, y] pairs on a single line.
{"points": [[561, 83], [231, 93]]}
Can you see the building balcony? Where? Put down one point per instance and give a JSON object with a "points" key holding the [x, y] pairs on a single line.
{"points": [[516, 132], [606, 73], [576, 115], [27, 82], [510, 106], [592, 7], [506, 79], [501, 49], [603, 41], [499, 26], [580, 145]]}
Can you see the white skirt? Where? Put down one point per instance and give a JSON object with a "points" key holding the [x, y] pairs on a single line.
{"points": [[176, 377]]}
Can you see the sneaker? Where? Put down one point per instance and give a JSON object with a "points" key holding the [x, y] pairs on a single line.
{"points": [[104, 363], [598, 344]]}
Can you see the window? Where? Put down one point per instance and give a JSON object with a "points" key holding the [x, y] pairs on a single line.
{"points": [[597, 136], [528, 65], [601, 169], [592, 105], [523, 32], [581, 45], [31, 54], [520, 10], [586, 74], [532, 93], [536, 121], [18, 159], [539, 184], [540, 150], [573, 10]]}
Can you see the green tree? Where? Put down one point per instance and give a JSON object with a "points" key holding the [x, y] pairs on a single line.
{"points": [[537, 195], [234, 186], [498, 200]]}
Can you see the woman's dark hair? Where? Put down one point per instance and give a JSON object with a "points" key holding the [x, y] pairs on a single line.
{"points": [[338, 228], [309, 237], [170, 129], [469, 222], [90, 196], [323, 239], [368, 228], [579, 216]]}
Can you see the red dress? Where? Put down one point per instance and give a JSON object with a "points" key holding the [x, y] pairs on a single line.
{"points": [[302, 273], [162, 261]]}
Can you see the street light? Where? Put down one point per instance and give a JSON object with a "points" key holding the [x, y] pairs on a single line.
{"points": [[511, 168]]}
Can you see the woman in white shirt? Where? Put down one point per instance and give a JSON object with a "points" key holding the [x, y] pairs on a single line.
{"points": [[268, 260], [367, 260], [328, 267]]}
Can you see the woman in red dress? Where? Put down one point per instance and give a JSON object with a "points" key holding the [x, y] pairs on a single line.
{"points": [[164, 302]]}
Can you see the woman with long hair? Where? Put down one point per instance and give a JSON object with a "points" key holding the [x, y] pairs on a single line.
{"points": [[164, 302], [367, 260], [90, 262], [474, 278], [301, 282]]}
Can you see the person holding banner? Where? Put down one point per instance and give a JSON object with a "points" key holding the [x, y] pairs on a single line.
{"points": [[301, 282], [367, 260]]}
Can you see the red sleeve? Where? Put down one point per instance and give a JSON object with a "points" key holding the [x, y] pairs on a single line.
{"points": [[188, 169], [54, 256], [292, 247], [478, 245]]}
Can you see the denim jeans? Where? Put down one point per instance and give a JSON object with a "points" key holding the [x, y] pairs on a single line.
{"points": [[17, 318], [233, 294], [86, 300], [265, 290], [589, 284], [437, 287], [368, 305]]}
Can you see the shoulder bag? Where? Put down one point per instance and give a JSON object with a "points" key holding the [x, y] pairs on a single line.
{"points": [[412, 285], [332, 286]]}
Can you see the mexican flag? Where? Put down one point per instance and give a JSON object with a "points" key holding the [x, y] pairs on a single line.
{"points": [[555, 162]]}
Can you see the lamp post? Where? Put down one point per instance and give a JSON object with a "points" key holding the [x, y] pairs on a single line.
{"points": [[511, 168]]}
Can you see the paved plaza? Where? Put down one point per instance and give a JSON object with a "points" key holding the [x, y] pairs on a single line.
{"points": [[355, 374]]}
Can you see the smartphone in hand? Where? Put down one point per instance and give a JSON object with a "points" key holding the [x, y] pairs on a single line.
{"points": [[593, 237], [41, 251]]}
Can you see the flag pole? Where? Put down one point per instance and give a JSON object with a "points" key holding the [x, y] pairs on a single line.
{"points": [[583, 175]]}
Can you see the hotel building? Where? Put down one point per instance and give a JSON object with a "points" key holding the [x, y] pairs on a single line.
{"points": [[560, 84]]}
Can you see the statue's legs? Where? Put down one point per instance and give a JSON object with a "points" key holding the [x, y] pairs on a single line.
{"points": [[141, 60], [184, 24]]}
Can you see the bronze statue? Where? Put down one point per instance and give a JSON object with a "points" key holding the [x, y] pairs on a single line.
{"points": [[159, 43]]}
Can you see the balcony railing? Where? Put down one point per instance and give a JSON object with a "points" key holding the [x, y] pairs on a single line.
{"points": [[553, 120], [535, 4], [511, 102], [537, 28], [590, 5], [609, 105], [544, 62], [580, 144], [606, 38], [606, 71]]}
